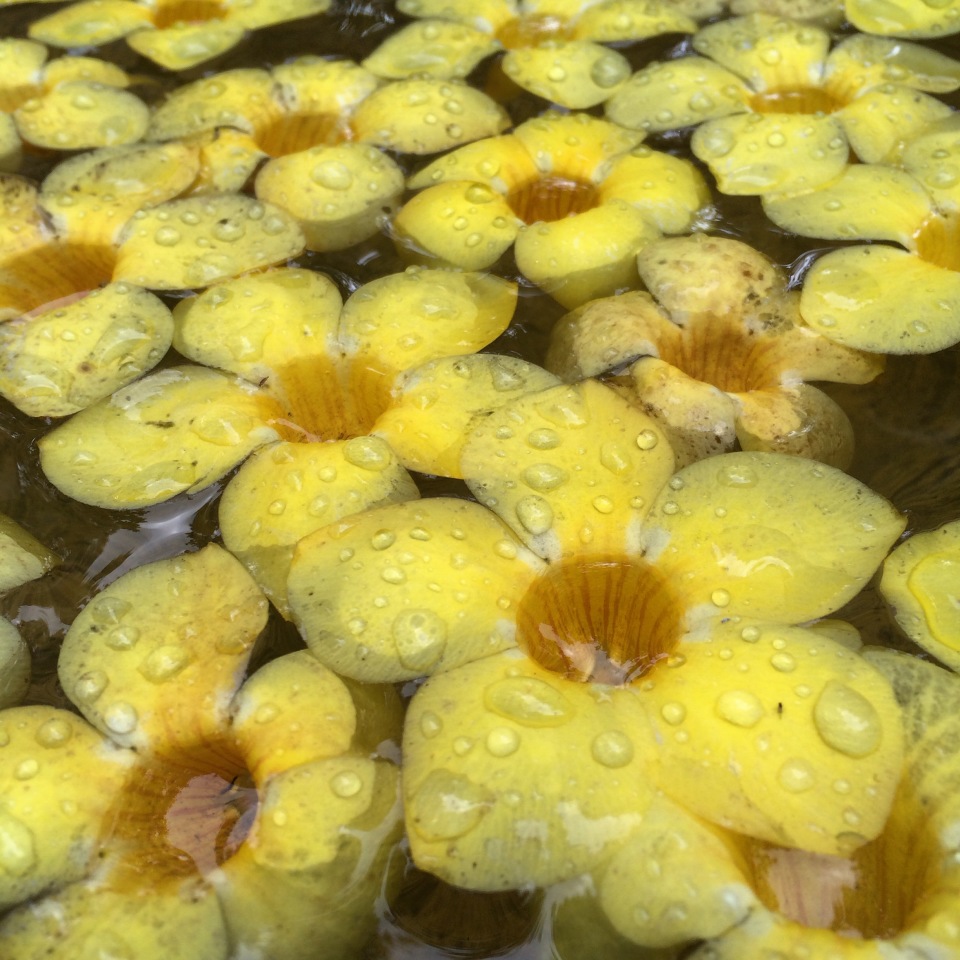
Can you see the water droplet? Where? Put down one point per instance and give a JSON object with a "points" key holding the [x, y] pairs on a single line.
{"points": [[393, 575], [54, 733], [776, 139], [544, 439], [167, 236], [122, 638], [502, 741], [90, 686], [612, 748], [120, 717], [383, 539], [346, 784], [720, 598], [796, 775], [608, 71], [165, 663], [108, 610], [674, 713], [750, 634], [448, 805], [420, 637], [544, 476], [846, 720], [529, 701], [332, 175], [783, 662], [535, 514], [737, 475], [603, 505], [647, 439], [739, 707], [368, 453], [26, 769], [462, 746], [430, 724], [18, 854]]}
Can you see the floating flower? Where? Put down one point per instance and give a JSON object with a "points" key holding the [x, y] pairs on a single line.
{"points": [[905, 18], [577, 197], [723, 354], [921, 583], [189, 812], [598, 631], [550, 44], [175, 34], [312, 391], [320, 122], [778, 111]]}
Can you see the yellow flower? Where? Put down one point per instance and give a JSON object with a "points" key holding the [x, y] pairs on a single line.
{"points": [[599, 632], [76, 255], [905, 18], [723, 354], [175, 34], [551, 48], [577, 197], [318, 123], [180, 816], [778, 111], [326, 399]]}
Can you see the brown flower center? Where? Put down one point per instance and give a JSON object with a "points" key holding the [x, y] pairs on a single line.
{"points": [[180, 12], [295, 132], [552, 198], [532, 31], [938, 241], [796, 100], [606, 620]]}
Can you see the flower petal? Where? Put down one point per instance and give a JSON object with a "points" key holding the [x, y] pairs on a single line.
{"points": [[737, 535], [677, 93], [588, 465], [285, 492], [22, 62], [14, 665], [932, 157], [771, 153], [22, 557], [410, 589], [266, 13], [184, 45], [575, 74], [427, 421], [57, 783], [173, 431], [90, 24], [504, 163], [919, 583], [758, 724], [201, 240], [185, 623], [65, 360], [11, 152], [513, 775], [84, 68], [432, 48], [876, 60], [614, 20], [340, 195], [903, 18], [883, 299]]}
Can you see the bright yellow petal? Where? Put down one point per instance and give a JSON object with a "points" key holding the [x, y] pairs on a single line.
{"points": [[487, 15], [759, 721], [184, 45], [861, 61], [67, 359], [22, 557], [90, 24], [575, 74], [587, 463], [84, 68], [265, 13], [932, 157], [737, 535], [504, 163], [677, 93], [340, 195], [202, 240], [921, 583], [513, 775], [410, 589], [883, 299], [432, 406], [771, 153], [823, 13], [11, 151], [904, 18], [228, 159], [23, 228], [14, 665], [174, 431], [57, 782], [613, 20], [285, 492], [311, 87], [433, 48], [22, 64]]}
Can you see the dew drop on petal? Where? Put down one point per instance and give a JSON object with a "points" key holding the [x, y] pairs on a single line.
{"points": [[430, 724], [18, 855], [529, 701], [739, 707], [346, 784], [120, 717], [796, 775], [846, 720], [612, 748], [535, 514], [448, 805], [502, 741], [420, 637], [54, 733]]}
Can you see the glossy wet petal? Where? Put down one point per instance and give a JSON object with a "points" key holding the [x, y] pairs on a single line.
{"points": [[434, 48], [877, 60], [90, 24], [614, 20], [174, 431], [22, 557], [22, 64], [184, 45], [441, 579], [514, 775], [588, 466], [932, 157], [11, 152], [920, 583], [14, 665], [738, 535], [23, 228], [503, 163], [904, 18], [265, 13]]}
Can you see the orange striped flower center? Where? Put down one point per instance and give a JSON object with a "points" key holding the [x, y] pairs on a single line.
{"points": [[552, 198]]}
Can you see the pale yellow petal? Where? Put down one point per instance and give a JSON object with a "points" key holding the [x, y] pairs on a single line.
{"points": [[433, 48], [503, 163], [613, 20], [91, 23], [84, 68], [265, 13], [861, 61], [932, 157], [904, 18], [487, 15], [22, 64], [184, 45], [22, 557], [11, 149], [14, 665]]}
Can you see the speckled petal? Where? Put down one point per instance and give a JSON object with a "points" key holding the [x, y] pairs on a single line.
{"points": [[14, 665], [90, 24], [771, 153], [184, 624], [202, 240], [427, 116], [410, 589], [174, 431], [758, 724], [575, 74], [904, 18], [460, 223], [65, 360], [22, 557], [614, 20], [285, 492], [23, 228], [933, 158], [428, 419], [340, 195], [588, 466], [865, 202], [184, 45], [58, 779], [513, 775], [433, 48], [883, 299], [921, 583], [677, 93], [767, 535]]}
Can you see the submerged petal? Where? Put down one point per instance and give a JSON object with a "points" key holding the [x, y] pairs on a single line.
{"points": [[14, 665], [22, 557]]}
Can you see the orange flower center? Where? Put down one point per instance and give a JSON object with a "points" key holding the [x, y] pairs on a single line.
{"points": [[532, 31], [180, 12], [294, 132], [796, 100], [607, 620], [938, 241], [552, 198]]}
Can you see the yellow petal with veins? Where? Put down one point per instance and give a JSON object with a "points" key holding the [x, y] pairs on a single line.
{"points": [[903, 18], [184, 45], [614, 20], [920, 583], [23, 227], [427, 421], [285, 492], [677, 93], [737, 535], [57, 783], [758, 722], [488, 754], [14, 665], [185, 623], [588, 467], [503, 163], [173, 431], [90, 24], [22, 557], [444, 577], [433, 48]]}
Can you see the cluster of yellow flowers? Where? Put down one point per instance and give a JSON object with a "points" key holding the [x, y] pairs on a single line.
{"points": [[413, 480]]}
